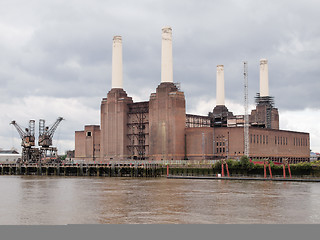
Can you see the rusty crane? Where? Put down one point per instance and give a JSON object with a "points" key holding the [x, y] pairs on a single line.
{"points": [[47, 152], [29, 152]]}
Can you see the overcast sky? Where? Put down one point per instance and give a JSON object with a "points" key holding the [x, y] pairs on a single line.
{"points": [[55, 58]]}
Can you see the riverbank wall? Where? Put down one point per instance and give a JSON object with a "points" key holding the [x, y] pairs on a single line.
{"points": [[139, 169]]}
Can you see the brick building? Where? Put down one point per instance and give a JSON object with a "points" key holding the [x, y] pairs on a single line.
{"points": [[160, 129]]}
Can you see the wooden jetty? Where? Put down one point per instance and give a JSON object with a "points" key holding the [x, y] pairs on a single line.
{"points": [[101, 170]]}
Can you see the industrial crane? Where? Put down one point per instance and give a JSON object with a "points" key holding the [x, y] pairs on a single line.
{"points": [[46, 133], [27, 136], [29, 154], [33, 154], [47, 152]]}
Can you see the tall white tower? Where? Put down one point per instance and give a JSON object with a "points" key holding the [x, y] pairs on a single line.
{"points": [[220, 85], [117, 79], [264, 79], [166, 55]]}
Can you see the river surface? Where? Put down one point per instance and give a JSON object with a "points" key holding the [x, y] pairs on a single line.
{"points": [[41, 200]]}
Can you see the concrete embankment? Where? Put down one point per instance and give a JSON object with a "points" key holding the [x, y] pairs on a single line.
{"points": [[245, 178]]}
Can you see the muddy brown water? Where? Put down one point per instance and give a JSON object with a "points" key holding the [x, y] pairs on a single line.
{"points": [[42, 200]]}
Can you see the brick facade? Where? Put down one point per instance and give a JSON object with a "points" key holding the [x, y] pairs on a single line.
{"points": [[159, 130]]}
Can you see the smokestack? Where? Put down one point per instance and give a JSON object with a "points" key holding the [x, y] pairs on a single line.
{"points": [[220, 85], [264, 80], [166, 55], [117, 62]]}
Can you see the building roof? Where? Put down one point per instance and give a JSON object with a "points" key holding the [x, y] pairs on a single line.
{"points": [[12, 151]]}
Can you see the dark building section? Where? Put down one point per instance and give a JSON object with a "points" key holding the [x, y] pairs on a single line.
{"points": [[265, 115], [219, 116], [138, 130]]}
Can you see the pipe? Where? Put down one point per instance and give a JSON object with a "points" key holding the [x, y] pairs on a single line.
{"points": [[289, 170], [227, 170], [222, 170], [270, 170]]}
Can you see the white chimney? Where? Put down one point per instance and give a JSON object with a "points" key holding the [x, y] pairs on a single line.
{"points": [[220, 85], [117, 62], [264, 80], [166, 55]]}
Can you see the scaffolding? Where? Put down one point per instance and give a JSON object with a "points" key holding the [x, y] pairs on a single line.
{"points": [[138, 130], [197, 121], [268, 103]]}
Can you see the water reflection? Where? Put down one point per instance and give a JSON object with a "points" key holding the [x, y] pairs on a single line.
{"points": [[36, 200]]}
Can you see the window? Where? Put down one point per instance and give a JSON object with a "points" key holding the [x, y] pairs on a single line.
{"points": [[264, 140], [260, 138], [89, 134], [267, 139], [254, 138]]}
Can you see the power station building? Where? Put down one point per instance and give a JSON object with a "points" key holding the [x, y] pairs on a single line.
{"points": [[160, 129]]}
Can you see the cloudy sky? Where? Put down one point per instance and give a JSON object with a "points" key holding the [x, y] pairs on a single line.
{"points": [[55, 58]]}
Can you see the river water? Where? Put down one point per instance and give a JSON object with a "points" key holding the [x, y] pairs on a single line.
{"points": [[41, 200]]}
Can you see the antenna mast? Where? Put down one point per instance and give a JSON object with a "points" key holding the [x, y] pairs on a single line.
{"points": [[246, 116]]}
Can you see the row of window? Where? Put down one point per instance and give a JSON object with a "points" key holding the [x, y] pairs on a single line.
{"points": [[300, 141], [221, 150], [278, 140], [220, 143], [259, 139]]}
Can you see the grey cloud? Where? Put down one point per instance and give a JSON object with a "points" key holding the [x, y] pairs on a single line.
{"points": [[63, 49]]}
